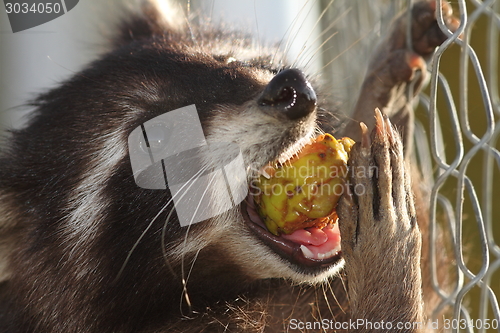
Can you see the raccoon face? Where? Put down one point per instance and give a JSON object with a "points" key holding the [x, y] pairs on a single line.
{"points": [[269, 114], [275, 116]]}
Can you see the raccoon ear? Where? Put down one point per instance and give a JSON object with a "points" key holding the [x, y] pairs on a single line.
{"points": [[155, 17]]}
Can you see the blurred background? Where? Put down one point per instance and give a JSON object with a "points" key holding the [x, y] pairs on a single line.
{"points": [[332, 40], [37, 59]]}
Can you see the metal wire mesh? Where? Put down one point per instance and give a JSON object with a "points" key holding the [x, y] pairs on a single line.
{"points": [[456, 147], [457, 165]]}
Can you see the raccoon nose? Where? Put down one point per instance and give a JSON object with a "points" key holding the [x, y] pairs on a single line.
{"points": [[289, 93]]}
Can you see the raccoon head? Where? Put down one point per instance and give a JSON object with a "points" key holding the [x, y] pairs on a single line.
{"points": [[69, 182]]}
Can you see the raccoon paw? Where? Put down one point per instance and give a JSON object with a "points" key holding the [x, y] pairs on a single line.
{"points": [[378, 200], [377, 219], [394, 66], [426, 35]]}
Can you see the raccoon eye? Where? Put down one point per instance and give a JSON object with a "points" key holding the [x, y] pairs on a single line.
{"points": [[157, 138]]}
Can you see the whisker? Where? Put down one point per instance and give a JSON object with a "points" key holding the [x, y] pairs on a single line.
{"points": [[185, 293], [324, 289], [341, 53], [318, 130], [164, 228], [139, 240], [192, 265], [318, 49], [257, 27], [163, 236], [334, 22], [328, 28], [184, 280], [212, 11], [286, 36], [147, 229], [318, 20], [164, 245], [335, 298], [344, 286], [289, 45], [189, 26]]}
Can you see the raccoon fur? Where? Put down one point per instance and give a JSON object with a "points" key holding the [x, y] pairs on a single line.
{"points": [[84, 249]]}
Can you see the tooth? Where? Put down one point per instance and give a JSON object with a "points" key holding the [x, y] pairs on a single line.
{"points": [[296, 147], [307, 253], [310, 255], [263, 172]]}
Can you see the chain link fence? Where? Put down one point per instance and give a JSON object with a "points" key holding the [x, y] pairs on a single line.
{"points": [[471, 112], [456, 145]]}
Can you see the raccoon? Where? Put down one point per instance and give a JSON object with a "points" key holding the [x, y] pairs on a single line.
{"points": [[85, 249]]}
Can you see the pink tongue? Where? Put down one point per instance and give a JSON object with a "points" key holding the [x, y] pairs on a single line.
{"points": [[314, 236], [317, 243], [309, 236]]}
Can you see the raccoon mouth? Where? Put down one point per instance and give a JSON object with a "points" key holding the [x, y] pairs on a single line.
{"points": [[310, 247]]}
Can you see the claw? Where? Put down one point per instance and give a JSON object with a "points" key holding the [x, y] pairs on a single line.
{"points": [[389, 129], [415, 62], [379, 122], [365, 137]]}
